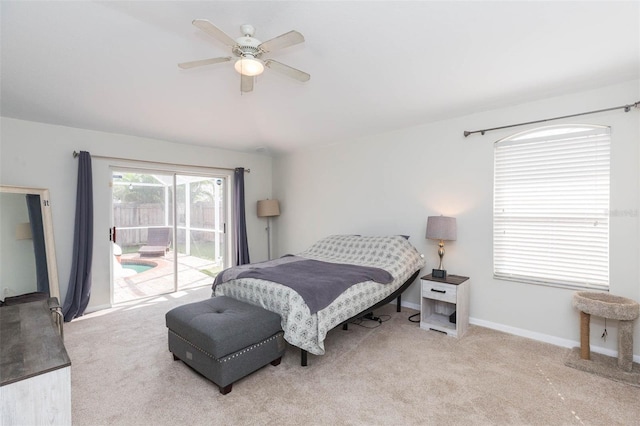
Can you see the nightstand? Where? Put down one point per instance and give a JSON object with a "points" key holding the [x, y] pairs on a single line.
{"points": [[444, 304]]}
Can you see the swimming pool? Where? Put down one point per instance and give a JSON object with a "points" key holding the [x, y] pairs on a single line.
{"points": [[139, 266]]}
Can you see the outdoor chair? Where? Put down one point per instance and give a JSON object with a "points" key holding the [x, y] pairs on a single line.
{"points": [[158, 242]]}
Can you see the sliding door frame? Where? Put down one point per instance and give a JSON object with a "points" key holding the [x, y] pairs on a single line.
{"points": [[227, 220]]}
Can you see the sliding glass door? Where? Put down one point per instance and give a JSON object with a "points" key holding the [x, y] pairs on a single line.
{"points": [[200, 231], [169, 232]]}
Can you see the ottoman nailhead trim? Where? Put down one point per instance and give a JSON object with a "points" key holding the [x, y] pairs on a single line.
{"points": [[192, 345], [228, 357], [249, 348]]}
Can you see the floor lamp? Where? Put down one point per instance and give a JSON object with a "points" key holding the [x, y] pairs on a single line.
{"points": [[268, 209]]}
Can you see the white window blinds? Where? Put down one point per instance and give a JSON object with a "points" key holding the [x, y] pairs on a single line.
{"points": [[551, 207]]}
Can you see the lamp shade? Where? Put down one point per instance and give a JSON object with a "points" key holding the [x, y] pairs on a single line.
{"points": [[441, 228], [23, 231], [249, 66], [267, 208]]}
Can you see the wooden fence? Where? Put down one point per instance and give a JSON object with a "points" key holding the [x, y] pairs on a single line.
{"points": [[142, 216]]}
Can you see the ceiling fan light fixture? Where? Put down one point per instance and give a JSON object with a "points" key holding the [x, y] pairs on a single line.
{"points": [[248, 51], [249, 66]]}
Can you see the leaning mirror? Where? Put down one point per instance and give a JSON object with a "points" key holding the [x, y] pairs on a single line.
{"points": [[27, 251]]}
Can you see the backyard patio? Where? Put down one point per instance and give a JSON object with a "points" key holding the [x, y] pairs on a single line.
{"points": [[129, 285]]}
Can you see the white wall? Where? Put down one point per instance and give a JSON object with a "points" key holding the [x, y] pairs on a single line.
{"points": [[40, 155], [390, 183]]}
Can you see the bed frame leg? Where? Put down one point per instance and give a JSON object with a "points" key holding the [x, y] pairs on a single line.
{"points": [[398, 308], [303, 357], [345, 326]]}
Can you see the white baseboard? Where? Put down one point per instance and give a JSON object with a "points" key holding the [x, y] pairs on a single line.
{"points": [[404, 304], [557, 341], [91, 309]]}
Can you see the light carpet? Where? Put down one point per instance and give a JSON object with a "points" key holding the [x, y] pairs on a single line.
{"points": [[396, 374]]}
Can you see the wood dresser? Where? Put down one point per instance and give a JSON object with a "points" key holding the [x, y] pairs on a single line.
{"points": [[35, 369]]}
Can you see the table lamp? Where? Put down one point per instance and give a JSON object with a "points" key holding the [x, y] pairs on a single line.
{"points": [[441, 228]]}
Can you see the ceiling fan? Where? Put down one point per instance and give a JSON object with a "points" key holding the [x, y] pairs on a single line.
{"points": [[249, 50]]}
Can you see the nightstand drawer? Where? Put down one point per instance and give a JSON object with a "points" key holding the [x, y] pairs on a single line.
{"points": [[439, 291]]}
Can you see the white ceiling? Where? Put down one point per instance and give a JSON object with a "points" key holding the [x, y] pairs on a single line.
{"points": [[375, 66]]}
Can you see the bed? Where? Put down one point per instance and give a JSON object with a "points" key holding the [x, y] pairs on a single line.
{"points": [[307, 327]]}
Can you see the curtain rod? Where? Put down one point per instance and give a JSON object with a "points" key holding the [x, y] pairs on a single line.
{"points": [[626, 108], [75, 154]]}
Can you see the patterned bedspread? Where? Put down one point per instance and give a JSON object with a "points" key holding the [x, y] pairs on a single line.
{"points": [[394, 254]]}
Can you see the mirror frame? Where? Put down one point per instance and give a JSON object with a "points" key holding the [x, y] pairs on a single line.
{"points": [[47, 224]]}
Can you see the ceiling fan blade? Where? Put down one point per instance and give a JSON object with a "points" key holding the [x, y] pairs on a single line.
{"points": [[246, 83], [282, 41], [287, 70], [214, 31], [201, 62]]}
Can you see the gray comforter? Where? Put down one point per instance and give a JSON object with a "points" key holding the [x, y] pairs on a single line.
{"points": [[308, 331], [318, 283]]}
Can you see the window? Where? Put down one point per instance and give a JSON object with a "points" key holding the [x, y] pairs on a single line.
{"points": [[551, 207]]}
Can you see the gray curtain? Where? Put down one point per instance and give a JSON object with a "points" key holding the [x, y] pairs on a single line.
{"points": [[79, 289], [240, 222], [37, 233]]}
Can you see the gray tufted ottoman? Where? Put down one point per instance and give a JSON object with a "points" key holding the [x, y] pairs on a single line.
{"points": [[225, 339]]}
